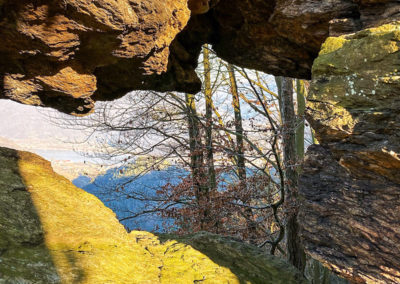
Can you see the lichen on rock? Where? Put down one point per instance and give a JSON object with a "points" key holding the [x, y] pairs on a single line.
{"points": [[354, 100], [351, 181]]}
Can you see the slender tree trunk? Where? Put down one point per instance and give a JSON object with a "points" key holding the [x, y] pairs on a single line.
{"points": [[301, 91], [279, 82], [195, 147], [239, 153], [196, 153], [301, 107], [295, 249], [209, 121], [238, 125]]}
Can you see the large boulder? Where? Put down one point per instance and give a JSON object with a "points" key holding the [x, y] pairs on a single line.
{"points": [[67, 54], [52, 232], [351, 182]]}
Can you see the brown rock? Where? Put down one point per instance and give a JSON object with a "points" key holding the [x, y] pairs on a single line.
{"points": [[351, 183], [350, 224], [199, 6], [125, 45], [283, 37], [54, 53]]}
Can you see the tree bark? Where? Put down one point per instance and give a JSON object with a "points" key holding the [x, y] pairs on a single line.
{"points": [[295, 249], [239, 153], [196, 150], [209, 122], [301, 107]]}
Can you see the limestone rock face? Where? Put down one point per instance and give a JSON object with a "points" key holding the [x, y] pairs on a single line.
{"points": [[66, 54], [351, 182], [54, 232]]}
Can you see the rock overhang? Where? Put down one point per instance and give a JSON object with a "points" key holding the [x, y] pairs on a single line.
{"points": [[68, 54]]}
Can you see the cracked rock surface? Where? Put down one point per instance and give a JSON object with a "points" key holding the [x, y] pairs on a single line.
{"points": [[351, 181]]}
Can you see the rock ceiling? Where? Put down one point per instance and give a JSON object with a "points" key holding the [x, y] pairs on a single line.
{"points": [[67, 54]]}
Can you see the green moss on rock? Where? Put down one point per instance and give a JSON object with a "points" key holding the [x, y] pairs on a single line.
{"points": [[354, 99], [354, 176], [210, 258], [53, 232]]}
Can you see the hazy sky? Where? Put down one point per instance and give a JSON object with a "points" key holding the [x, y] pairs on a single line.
{"points": [[30, 129]]}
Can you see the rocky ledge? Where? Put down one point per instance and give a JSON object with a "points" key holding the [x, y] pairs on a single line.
{"points": [[54, 232]]}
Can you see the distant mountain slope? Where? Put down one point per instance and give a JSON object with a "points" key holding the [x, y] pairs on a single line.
{"points": [[117, 193]]}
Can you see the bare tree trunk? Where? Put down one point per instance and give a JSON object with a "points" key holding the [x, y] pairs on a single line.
{"points": [[238, 125], [239, 153], [295, 249], [196, 153], [209, 121], [301, 107]]}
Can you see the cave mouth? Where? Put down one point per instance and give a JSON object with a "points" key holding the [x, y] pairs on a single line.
{"points": [[355, 117]]}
